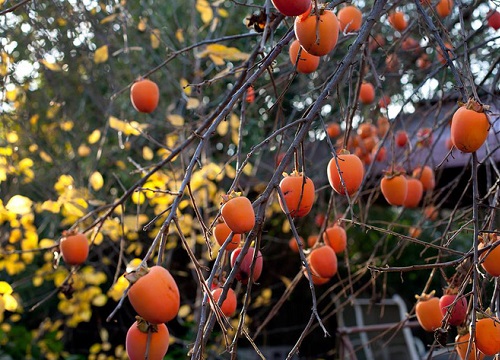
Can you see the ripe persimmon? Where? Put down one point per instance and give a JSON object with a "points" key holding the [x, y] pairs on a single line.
{"points": [[490, 260], [457, 307], [462, 343], [304, 64], [414, 193], [243, 273], [229, 304], [401, 138], [398, 21], [428, 311], [493, 19], [292, 244], [366, 93], [383, 125], [350, 18], [384, 102], [426, 175], [333, 129], [394, 187], [317, 38], [145, 95], [440, 55], [136, 342], [298, 192], [154, 294], [335, 237], [292, 8], [469, 127], [366, 130], [238, 213], [444, 7], [352, 171], [488, 335], [316, 280], [323, 261], [74, 248], [222, 232]]}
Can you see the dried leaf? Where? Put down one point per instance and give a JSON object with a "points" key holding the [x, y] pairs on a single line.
{"points": [[101, 54]]}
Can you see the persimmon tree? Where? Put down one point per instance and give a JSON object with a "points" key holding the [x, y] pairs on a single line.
{"points": [[161, 131]]}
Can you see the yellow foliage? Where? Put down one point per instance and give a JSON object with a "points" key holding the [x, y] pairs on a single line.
{"points": [[155, 38], [45, 157], [12, 137], [116, 291], [127, 128], [67, 125], [94, 136], [19, 205], [50, 65], [142, 24], [83, 150], [205, 10], [179, 35], [109, 18], [224, 52], [222, 128], [5, 288], [175, 120], [101, 54], [147, 153], [96, 180]]}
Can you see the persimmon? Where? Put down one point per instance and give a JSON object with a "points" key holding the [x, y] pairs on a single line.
{"points": [[298, 192], [250, 97], [493, 19], [428, 311], [440, 55], [304, 64], [316, 279], [424, 137], [350, 168], [74, 248], [366, 130], [488, 335], [292, 8], [323, 261], [136, 341], [384, 102], [229, 304], [490, 259], [469, 127], [401, 138], [462, 343], [243, 273], [312, 240], [394, 187], [380, 154], [458, 311], [426, 175], [392, 63], [154, 294], [414, 193], [335, 237], [414, 231], [366, 93], [410, 44], [398, 21], [238, 213], [293, 245], [383, 126], [444, 7], [350, 18], [431, 212], [145, 95], [333, 129], [317, 38], [423, 61], [222, 232]]}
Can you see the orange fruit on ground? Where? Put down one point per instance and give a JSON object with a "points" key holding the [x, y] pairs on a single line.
{"points": [[488, 335], [154, 294], [74, 248], [144, 95], [366, 93], [426, 175], [238, 214], [136, 341], [469, 127], [323, 261], [222, 232], [317, 38], [350, 18], [333, 129], [335, 237], [414, 193], [306, 63], [398, 21], [394, 187], [461, 345], [229, 304], [428, 312], [444, 7], [298, 192], [352, 170]]}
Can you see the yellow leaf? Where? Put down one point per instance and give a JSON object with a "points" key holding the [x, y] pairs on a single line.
{"points": [[101, 54], [185, 86], [138, 198], [217, 60], [19, 205], [45, 157], [37, 281], [222, 128], [61, 21], [155, 38], [25, 164], [53, 110], [131, 128], [12, 137], [72, 209], [184, 311], [51, 206], [135, 221], [84, 150], [224, 52], [51, 66], [109, 18], [142, 24], [11, 95], [234, 120], [67, 125], [175, 119], [192, 103], [5, 288], [94, 136], [222, 12], [96, 181], [179, 35], [248, 169], [100, 300], [34, 119], [235, 137], [10, 302], [147, 153], [205, 10]]}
